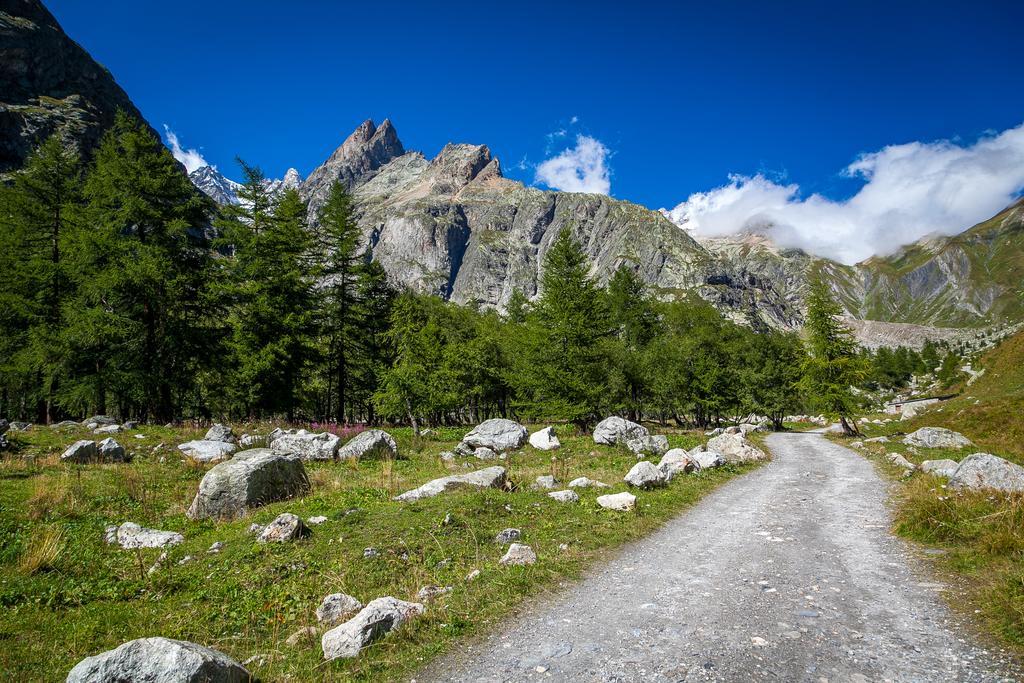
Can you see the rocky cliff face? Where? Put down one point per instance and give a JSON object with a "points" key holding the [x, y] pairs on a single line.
{"points": [[49, 84]]}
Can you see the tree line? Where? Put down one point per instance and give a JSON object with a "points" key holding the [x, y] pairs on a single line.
{"points": [[125, 290]]}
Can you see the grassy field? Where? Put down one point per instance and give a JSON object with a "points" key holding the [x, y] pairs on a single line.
{"points": [[65, 594], [979, 535]]}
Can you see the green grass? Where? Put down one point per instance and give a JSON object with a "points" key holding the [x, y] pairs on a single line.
{"points": [[65, 594]]}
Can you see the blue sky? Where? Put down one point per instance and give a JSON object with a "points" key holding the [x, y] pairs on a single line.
{"points": [[678, 95]]}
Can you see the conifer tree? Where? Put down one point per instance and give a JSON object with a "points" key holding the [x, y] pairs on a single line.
{"points": [[269, 293], [141, 273], [38, 213], [562, 371], [832, 365]]}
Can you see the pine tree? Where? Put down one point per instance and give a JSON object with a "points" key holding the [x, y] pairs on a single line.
{"points": [[634, 321], [772, 375], [141, 271], [38, 213], [342, 315], [408, 385], [833, 365], [563, 372], [269, 292]]}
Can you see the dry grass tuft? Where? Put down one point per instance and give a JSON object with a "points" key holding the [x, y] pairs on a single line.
{"points": [[42, 551], [55, 495]]}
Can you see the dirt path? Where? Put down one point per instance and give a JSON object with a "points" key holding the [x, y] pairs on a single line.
{"points": [[786, 574]]}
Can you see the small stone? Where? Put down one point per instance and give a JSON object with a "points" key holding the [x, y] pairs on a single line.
{"points": [[622, 502], [567, 496], [519, 554], [758, 642], [546, 482], [215, 548], [473, 575], [286, 527], [319, 519], [428, 593], [336, 608], [370, 552], [508, 536]]}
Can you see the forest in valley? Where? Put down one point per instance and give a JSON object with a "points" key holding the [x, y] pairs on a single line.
{"points": [[125, 290]]}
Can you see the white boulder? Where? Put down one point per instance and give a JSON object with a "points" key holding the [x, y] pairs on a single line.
{"points": [[613, 430], [936, 437], [490, 477], [940, 468], [219, 432], [498, 434], [734, 448], [131, 536], [621, 502], [159, 660], [368, 444], [306, 445], [207, 451], [377, 619], [567, 496], [986, 471], [336, 608], [644, 475], [545, 439]]}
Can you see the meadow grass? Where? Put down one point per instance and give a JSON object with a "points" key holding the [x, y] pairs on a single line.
{"points": [[66, 594]]}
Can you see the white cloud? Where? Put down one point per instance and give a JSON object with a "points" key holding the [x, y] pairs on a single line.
{"points": [[191, 158], [574, 120], [582, 168], [910, 191]]}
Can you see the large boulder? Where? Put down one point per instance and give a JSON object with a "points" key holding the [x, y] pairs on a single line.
{"points": [[498, 434], [377, 619], [676, 461], [207, 451], [734, 448], [368, 444], [613, 430], [131, 536], [940, 468], [159, 660], [644, 475], [986, 471], [81, 451], [648, 445], [545, 439], [936, 437], [250, 479], [109, 450], [306, 445], [490, 477], [100, 420], [219, 432]]}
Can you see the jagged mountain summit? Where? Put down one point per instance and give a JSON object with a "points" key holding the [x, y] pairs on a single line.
{"points": [[50, 84], [223, 190]]}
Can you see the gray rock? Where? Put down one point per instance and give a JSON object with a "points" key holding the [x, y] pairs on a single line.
{"points": [[219, 432], [101, 420], [645, 475], [707, 459], [546, 482], [484, 453], [734, 448], [490, 477], [615, 430], [306, 445], [336, 608], [518, 554], [877, 439], [936, 437], [110, 450], [498, 434], [108, 429], [545, 439], [621, 502], [428, 593], [131, 536], [586, 483], [649, 445], [567, 496], [65, 424], [900, 461], [508, 536], [250, 479], [676, 461], [318, 519], [159, 660], [940, 468], [285, 527], [371, 443], [207, 451], [377, 619], [81, 452], [986, 471], [21, 426]]}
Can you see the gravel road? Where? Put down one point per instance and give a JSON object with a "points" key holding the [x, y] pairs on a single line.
{"points": [[786, 574]]}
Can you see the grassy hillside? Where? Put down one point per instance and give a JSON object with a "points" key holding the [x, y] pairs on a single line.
{"points": [[65, 594], [990, 411], [972, 279]]}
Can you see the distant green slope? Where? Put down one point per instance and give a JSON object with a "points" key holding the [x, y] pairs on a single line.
{"points": [[973, 279]]}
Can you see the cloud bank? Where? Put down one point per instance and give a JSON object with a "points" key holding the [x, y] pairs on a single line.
{"points": [[582, 168], [910, 191], [191, 158]]}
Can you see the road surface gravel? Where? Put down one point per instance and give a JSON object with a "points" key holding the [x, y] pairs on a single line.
{"points": [[788, 573]]}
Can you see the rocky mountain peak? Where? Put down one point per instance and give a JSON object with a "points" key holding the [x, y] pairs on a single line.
{"points": [[457, 165], [214, 185], [357, 160]]}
